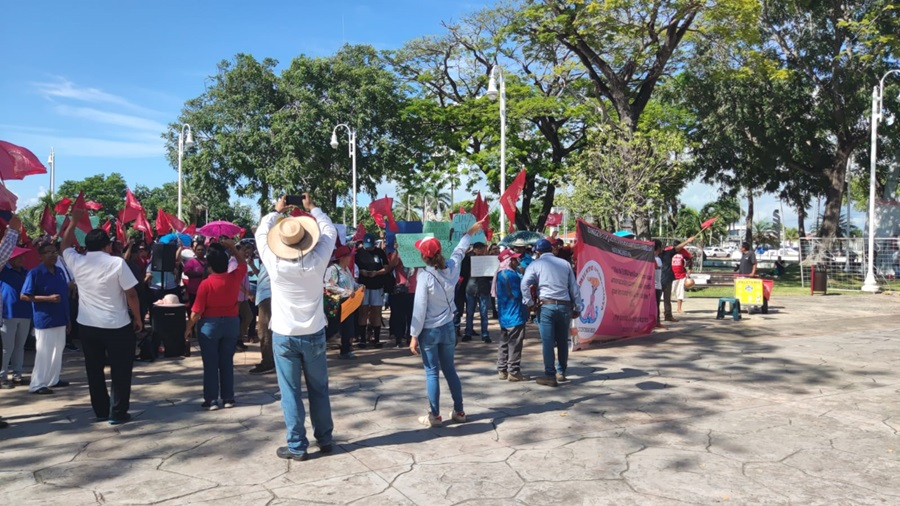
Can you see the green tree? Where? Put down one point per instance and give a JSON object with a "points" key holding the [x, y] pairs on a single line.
{"points": [[764, 233], [106, 190]]}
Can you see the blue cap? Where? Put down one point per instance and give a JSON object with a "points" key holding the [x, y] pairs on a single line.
{"points": [[543, 246], [368, 241]]}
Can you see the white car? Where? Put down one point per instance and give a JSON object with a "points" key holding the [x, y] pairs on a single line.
{"points": [[715, 252], [786, 254]]}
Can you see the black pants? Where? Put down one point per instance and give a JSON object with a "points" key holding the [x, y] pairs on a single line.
{"points": [[116, 347], [401, 314], [667, 297], [658, 298]]}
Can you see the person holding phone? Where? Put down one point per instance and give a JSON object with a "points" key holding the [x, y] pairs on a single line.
{"points": [[374, 271]]}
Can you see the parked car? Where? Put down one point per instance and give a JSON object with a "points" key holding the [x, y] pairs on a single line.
{"points": [[786, 254], [715, 252]]}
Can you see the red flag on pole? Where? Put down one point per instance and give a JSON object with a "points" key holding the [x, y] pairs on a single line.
{"points": [[93, 206], [62, 207], [177, 224], [120, 226], [84, 224], [360, 232], [511, 196], [132, 209], [480, 211], [706, 224], [48, 221], [143, 225], [553, 219], [190, 229], [107, 226], [380, 209], [163, 226]]}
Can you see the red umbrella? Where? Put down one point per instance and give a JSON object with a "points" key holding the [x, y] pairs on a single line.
{"points": [[17, 162], [219, 228]]}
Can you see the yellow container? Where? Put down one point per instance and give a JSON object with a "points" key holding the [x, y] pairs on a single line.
{"points": [[749, 291]]}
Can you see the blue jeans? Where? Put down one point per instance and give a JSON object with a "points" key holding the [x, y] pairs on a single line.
{"points": [[484, 303], [297, 356], [553, 324], [218, 337], [437, 346]]}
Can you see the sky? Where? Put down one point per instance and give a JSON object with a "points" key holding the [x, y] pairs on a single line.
{"points": [[99, 81]]}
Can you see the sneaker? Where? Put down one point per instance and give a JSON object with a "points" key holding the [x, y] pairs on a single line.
{"points": [[561, 378], [486, 340], [3, 424], [466, 339], [120, 420], [377, 344], [72, 347], [431, 420], [458, 416], [241, 346], [547, 381], [210, 406], [17, 380], [285, 453], [502, 375], [60, 383], [517, 377], [326, 448], [6, 385], [262, 369], [43, 391], [347, 356], [361, 345], [228, 404]]}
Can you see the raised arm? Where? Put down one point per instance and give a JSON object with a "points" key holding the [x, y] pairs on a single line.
{"points": [[69, 234], [10, 239]]}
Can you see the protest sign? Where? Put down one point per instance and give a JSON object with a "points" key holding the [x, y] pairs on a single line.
{"points": [[406, 247], [441, 230], [484, 266], [461, 224], [352, 304], [341, 232], [616, 283]]}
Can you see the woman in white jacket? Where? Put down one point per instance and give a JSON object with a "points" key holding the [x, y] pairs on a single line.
{"points": [[432, 329]]}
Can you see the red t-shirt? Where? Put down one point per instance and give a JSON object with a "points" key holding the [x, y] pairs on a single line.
{"points": [[678, 264], [217, 294]]}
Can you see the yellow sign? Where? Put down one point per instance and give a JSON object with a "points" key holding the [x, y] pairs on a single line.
{"points": [[352, 304], [749, 291]]}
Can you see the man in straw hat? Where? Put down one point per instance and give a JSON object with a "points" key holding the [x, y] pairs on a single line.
{"points": [[296, 251]]}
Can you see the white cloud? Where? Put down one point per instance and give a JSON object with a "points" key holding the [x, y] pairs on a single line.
{"points": [[63, 88], [111, 118]]}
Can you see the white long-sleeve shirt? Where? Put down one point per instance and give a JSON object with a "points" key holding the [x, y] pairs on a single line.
{"points": [[435, 291], [297, 284]]}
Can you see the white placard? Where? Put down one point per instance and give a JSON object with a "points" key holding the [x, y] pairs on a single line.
{"points": [[484, 266]]}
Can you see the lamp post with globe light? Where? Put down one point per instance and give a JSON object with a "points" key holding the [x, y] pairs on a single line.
{"points": [[184, 141], [351, 135], [493, 93]]}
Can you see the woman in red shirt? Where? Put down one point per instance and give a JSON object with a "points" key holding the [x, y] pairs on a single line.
{"points": [[216, 309]]}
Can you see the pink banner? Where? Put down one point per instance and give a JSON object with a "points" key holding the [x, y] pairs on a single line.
{"points": [[616, 279]]}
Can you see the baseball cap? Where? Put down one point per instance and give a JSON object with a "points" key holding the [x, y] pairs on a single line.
{"points": [[507, 254], [368, 241], [543, 246], [428, 246]]}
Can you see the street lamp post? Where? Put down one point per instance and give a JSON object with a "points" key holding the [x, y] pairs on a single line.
{"points": [[877, 102], [492, 93], [351, 135], [51, 161], [183, 142]]}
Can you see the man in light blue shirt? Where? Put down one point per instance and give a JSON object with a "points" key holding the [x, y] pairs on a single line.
{"points": [[557, 301]]}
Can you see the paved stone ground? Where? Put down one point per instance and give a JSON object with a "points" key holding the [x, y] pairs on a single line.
{"points": [[796, 407]]}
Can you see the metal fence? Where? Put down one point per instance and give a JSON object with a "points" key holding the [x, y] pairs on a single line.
{"points": [[846, 262]]}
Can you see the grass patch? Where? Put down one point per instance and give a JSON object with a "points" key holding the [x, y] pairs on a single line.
{"points": [[789, 284]]}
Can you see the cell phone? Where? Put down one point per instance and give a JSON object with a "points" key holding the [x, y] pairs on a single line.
{"points": [[294, 200]]}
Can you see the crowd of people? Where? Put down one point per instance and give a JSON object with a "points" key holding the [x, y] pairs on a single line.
{"points": [[303, 275]]}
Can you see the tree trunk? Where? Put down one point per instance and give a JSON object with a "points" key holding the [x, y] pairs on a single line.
{"points": [[801, 225], [523, 218], [748, 234], [834, 195], [641, 223], [546, 207]]}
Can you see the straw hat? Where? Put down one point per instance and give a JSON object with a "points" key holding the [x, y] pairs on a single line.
{"points": [[293, 237]]}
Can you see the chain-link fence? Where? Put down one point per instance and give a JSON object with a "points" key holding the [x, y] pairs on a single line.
{"points": [[846, 262]]}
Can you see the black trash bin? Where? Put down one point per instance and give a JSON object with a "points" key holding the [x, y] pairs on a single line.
{"points": [[819, 280], [169, 323]]}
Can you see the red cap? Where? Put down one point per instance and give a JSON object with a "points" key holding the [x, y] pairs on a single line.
{"points": [[428, 246], [18, 251], [341, 252], [507, 254]]}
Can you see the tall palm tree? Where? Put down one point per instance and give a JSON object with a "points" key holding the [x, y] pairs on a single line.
{"points": [[764, 233]]}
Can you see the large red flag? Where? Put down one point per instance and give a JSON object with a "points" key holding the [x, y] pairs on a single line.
{"points": [[62, 207], [93, 206], [120, 226], [177, 224], [380, 209], [163, 226], [7, 199], [133, 208], [17, 162], [706, 224], [84, 224], [48, 221], [480, 211], [190, 229], [553, 220], [143, 225], [511, 196]]}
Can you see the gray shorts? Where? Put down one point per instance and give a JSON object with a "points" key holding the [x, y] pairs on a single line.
{"points": [[373, 297]]}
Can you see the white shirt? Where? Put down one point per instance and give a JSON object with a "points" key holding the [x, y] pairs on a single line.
{"points": [[434, 305], [102, 281], [297, 285], [658, 278]]}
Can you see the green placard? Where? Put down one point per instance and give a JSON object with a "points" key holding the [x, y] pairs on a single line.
{"points": [[406, 247], [461, 224], [441, 230]]}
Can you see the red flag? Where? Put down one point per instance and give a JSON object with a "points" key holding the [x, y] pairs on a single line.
{"points": [[480, 210], [107, 226], [177, 224], [190, 229], [17, 162], [360, 232], [380, 209], [706, 224], [120, 227], [93, 206], [143, 225], [511, 196], [133, 208], [62, 207], [7, 199], [84, 224], [163, 226], [553, 219], [24, 240], [48, 221]]}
